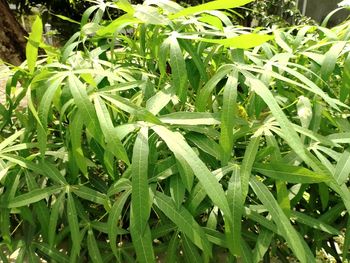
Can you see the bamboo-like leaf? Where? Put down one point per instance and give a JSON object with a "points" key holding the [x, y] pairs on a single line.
{"points": [[177, 190], [178, 69], [213, 5], [244, 41], [89, 194], [150, 15], [185, 172], [330, 59], [290, 173], [191, 118], [184, 221], [191, 253], [294, 240], [33, 196], [229, 110], [113, 218], [290, 135], [51, 252], [247, 163], [234, 197], [172, 251], [11, 139], [33, 43], [94, 251], [106, 124], [314, 223], [53, 221], [73, 223], [345, 87], [262, 245], [204, 93], [117, 25], [142, 241], [206, 144], [85, 106], [44, 108], [76, 130], [178, 145], [199, 193], [131, 108], [342, 170], [139, 194]]}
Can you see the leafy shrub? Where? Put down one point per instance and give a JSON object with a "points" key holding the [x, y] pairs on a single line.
{"points": [[171, 133]]}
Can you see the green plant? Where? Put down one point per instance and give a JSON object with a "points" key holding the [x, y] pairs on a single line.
{"points": [[171, 133]]}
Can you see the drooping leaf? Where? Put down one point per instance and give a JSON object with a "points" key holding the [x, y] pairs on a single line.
{"points": [[213, 5], [33, 44]]}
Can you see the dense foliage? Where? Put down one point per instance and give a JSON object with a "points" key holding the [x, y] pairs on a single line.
{"points": [[171, 133]]}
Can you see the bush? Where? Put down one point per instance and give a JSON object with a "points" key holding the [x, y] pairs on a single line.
{"points": [[171, 133]]}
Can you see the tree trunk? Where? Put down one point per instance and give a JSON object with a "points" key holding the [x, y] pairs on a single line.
{"points": [[12, 36]]}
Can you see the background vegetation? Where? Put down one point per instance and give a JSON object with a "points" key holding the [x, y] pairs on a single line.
{"points": [[172, 134]]}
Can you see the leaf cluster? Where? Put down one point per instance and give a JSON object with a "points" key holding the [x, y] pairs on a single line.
{"points": [[172, 134]]}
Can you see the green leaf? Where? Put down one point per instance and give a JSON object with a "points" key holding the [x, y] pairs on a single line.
{"points": [[177, 189], [190, 252], [345, 87], [34, 41], [289, 133], [244, 41], [89, 194], [142, 241], [113, 219], [206, 144], [185, 172], [229, 110], [76, 131], [199, 192], [73, 224], [94, 251], [204, 94], [81, 99], [117, 25], [212, 20], [125, 105], [113, 142], [184, 221], [150, 15], [191, 118], [234, 197], [51, 252], [213, 5], [290, 173], [44, 107], [178, 145], [195, 56], [53, 221], [125, 6], [52, 172], [67, 19], [330, 60], [172, 250], [262, 245], [178, 69], [304, 111], [342, 170], [11, 139], [247, 163], [33, 196], [140, 193], [314, 223], [294, 240]]}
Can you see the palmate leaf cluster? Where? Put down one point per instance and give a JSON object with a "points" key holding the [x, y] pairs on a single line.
{"points": [[172, 134]]}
